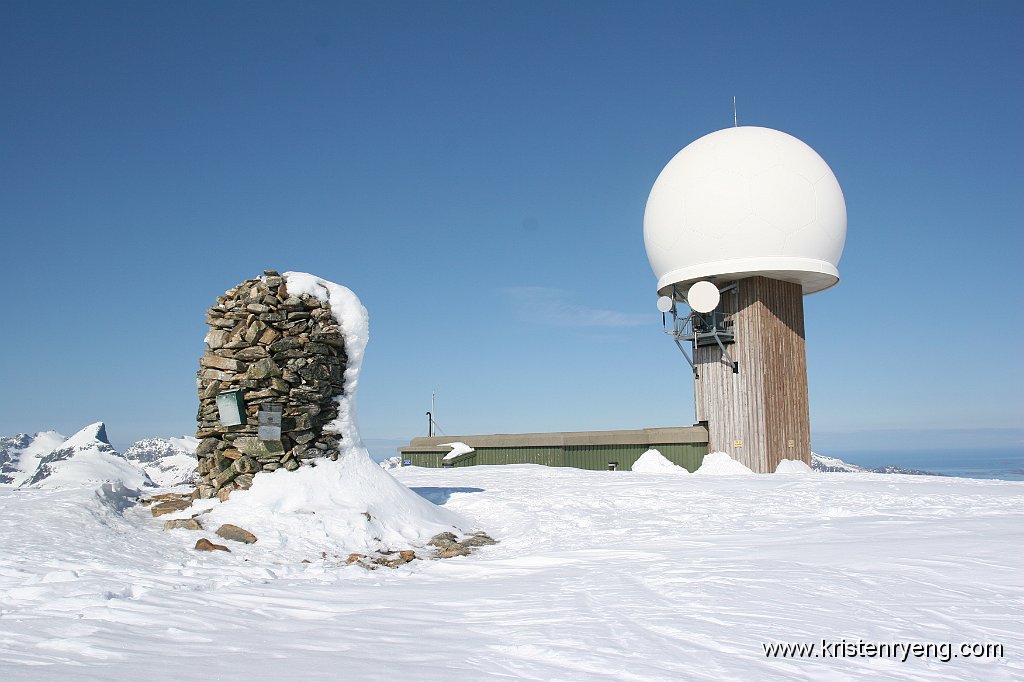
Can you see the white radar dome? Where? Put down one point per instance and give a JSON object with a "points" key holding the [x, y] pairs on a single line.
{"points": [[741, 202]]}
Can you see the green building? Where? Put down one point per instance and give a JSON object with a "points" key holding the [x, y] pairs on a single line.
{"points": [[685, 446]]}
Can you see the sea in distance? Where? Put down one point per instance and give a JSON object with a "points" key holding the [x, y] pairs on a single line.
{"points": [[1001, 463]]}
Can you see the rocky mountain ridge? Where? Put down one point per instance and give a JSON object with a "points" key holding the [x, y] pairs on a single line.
{"points": [[834, 465], [168, 461], [20, 454], [85, 458], [44, 458]]}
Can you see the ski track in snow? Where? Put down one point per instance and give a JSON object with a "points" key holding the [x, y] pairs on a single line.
{"points": [[599, 575]]}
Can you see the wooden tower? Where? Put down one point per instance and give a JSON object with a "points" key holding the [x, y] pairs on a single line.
{"points": [[756, 405], [739, 226]]}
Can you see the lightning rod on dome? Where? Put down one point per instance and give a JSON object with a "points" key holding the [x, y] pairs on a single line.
{"points": [[735, 121]]}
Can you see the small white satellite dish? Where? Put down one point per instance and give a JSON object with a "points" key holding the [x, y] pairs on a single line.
{"points": [[664, 303], [703, 297]]}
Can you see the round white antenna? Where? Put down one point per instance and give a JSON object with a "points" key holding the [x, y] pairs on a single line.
{"points": [[703, 297], [664, 304]]}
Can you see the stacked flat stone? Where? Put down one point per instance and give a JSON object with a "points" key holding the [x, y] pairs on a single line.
{"points": [[275, 348]]}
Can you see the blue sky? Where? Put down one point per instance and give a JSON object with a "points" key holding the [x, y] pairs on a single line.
{"points": [[477, 173]]}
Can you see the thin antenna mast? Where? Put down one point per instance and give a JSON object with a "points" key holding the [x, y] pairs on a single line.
{"points": [[735, 121]]}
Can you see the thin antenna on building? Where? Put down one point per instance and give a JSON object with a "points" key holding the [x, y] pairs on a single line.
{"points": [[430, 415], [735, 121]]}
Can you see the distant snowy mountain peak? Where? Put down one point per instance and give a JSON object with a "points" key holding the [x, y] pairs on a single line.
{"points": [[20, 454], [168, 461], [187, 443], [831, 464], [11, 448], [150, 450], [94, 434], [87, 458]]}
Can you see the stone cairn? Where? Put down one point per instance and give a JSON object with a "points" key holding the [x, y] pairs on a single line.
{"points": [[276, 349]]}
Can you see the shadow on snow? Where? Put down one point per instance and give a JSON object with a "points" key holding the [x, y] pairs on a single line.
{"points": [[441, 495]]}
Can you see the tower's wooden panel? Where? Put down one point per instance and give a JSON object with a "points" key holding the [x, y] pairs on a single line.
{"points": [[760, 415]]}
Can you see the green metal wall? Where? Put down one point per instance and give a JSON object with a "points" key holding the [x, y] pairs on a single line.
{"points": [[551, 457], [430, 460], [686, 455]]}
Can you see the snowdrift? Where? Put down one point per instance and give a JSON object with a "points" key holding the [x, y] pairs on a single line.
{"points": [[458, 449], [793, 466], [653, 462], [721, 464]]}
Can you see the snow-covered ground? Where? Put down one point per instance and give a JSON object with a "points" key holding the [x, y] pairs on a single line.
{"points": [[598, 575], [638, 575]]}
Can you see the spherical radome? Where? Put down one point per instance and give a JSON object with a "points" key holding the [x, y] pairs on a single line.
{"points": [[741, 202]]}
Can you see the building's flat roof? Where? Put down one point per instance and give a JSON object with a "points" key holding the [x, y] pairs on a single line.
{"points": [[558, 439]]}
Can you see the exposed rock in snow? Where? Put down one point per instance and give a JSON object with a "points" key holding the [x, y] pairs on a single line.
{"points": [[230, 531], [721, 464], [793, 466], [168, 461], [653, 462], [20, 455], [87, 459]]}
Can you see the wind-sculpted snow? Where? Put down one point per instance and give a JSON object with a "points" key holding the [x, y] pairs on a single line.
{"points": [[598, 575]]}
